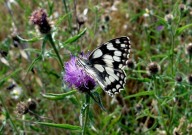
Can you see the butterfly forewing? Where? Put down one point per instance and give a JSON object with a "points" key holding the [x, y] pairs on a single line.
{"points": [[106, 62], [113, 53]]}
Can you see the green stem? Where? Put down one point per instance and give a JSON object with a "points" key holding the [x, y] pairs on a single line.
{"points": [[8, 116], [159, 106], [67, 12], [49, 36], [155, 89], [190, 62], [172, 49], [86, 114]]}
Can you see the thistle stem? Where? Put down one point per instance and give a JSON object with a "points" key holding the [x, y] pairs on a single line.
{"points": [[87, 101], [172, 48], [159, 106], [49, 37], [67, 12], [189, 61]]}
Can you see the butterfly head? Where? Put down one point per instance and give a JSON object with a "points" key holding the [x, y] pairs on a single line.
{"points": [[80, 62]]}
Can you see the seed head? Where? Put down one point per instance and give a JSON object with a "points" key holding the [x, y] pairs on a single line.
{"points": [[3, 53], [189, 78], [131, 64], [179, 79], [16, 41], [106, 18], [32, 105], [39, 18], [169, 18], [138, 107], [21, 108], [153, 68], [182, 7], [189, 49], [81, 19], [103, 27]]}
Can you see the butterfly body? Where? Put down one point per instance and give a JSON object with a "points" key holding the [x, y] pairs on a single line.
{"points": [[106, 64]]}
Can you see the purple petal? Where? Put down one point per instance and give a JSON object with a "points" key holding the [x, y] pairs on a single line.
{"points": [[160, 27]]}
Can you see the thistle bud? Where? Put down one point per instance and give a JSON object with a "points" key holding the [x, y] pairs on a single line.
{"points": [[21, 109], [131, 64], [189, 49], [179, 79], [189, 78], [153, 68], [39, 18], [169, 18], [32, 105]]}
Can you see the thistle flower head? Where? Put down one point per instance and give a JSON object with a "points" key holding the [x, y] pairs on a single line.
{"points": [[153, 68], [39, 18], [182, 7], [138, 107], [169, 18], [21, 108], [3, 53], [189, 78], [77, 77], [179, 79], [103, 27], [131, 64], [32, 105], [106, 18], [16, 41], [189, 49]]}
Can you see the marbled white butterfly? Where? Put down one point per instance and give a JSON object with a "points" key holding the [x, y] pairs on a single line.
{"points": [[106, 63]]}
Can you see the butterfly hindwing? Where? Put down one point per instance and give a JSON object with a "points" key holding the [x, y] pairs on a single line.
{"points": [[114, 80]]}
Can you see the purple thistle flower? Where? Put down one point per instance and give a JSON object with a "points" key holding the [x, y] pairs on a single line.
{"points": [[76, 76], [160, 27]]}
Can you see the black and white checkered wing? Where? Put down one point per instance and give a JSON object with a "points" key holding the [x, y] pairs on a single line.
{"points": [[107, 62]]}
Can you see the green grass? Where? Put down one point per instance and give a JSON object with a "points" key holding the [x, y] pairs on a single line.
{"points": [[33, 62]]}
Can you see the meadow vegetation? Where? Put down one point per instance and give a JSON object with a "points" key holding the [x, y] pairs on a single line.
{"points": [[38, 38]]}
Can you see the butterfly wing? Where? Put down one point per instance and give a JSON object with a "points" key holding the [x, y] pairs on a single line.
{"points": [[112, 81], [113, 53], [108, 61]]}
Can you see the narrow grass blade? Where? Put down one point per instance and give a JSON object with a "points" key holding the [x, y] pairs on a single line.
{"points": [[63, 126], [181, 29], [30, 40], [5, 78], [52, 96], [144, 93], [33, 62], [73, 39]]}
